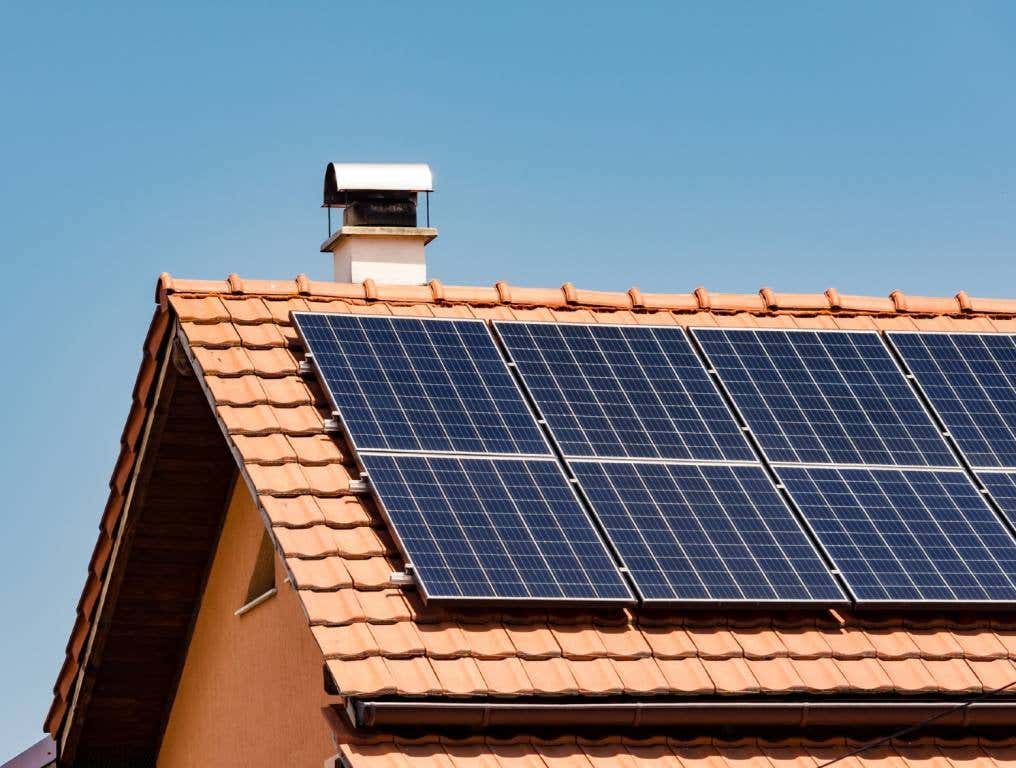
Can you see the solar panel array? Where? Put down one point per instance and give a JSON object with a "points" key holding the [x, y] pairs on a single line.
{"points": [[687, 529], [507, 528], [865, 464], [420, 399], [483, 508]]}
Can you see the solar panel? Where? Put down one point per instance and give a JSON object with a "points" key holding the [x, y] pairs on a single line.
{"points": [[824, 397], [624, 392], [705, 532], [410, 384], [907, 535], [493, 528], [970, 381]]}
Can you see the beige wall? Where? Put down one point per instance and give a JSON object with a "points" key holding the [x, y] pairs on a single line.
{"points": [[252, 686]]}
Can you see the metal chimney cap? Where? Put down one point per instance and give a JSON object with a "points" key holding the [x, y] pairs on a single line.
{"points": [[377, 177]]}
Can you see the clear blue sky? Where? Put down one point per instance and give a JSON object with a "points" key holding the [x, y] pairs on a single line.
{"points": [[867, 146]]}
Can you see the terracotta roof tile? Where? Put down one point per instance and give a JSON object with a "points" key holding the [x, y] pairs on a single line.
{"points": [[328, 573], [368, 676], [597, 677], [551, 676], [488, 641], [505, 677], [579, 641], [777, 674], [640, 676], [669, 642], [534, 641], [909, 675], [350, 641], [459, 677], [686, 675], [398, 639], [862, 674], [265, 449], [444, 640], [731, 676]]}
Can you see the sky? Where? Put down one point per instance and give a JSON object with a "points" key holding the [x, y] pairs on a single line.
{"points": [[867, 146]]}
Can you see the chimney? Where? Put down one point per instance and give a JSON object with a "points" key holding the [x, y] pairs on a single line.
{"points": [[379, 237]]}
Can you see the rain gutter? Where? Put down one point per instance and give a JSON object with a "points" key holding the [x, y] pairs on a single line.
{"points": [[660, 714]]}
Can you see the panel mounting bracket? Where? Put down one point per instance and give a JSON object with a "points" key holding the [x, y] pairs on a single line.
{"points": [[306, 366], [333, 424], [359, 487], [405, 577]]}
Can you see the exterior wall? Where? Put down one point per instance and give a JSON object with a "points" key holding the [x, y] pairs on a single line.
{"points": [[252, 686]]}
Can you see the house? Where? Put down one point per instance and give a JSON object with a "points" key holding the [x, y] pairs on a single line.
{"points": [[246, 603]]}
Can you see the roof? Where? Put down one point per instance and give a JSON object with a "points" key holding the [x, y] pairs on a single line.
{"points": [[379, 639]]}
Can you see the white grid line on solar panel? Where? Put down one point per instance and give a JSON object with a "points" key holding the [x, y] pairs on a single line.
{"points": [[492, 529], [706, 533], [623, 391], [970, 381], [1001, 484], [907, 535], [415, 384], [824, 397]]}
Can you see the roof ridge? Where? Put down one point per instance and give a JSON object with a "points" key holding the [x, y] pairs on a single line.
{"points": [[765, 301]]}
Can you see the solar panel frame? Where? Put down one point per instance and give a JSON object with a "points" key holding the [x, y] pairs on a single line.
{"points": [[819, 454], [797, 478], [737, 449], [697, 511], [536, 439], [371, 469], [977, 442]]}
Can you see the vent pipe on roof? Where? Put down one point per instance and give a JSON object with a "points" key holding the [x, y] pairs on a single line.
{"points": [[379, 237]]}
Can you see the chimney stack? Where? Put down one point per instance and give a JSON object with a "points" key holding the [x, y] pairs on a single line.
{"points": [[379, 237]]}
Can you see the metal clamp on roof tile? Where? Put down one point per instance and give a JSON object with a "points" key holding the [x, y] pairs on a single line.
{"points": [[361, 486], [333, 424], [306, 367]]}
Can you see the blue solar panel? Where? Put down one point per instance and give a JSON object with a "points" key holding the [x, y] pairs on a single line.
{"points": [[907, 535], [493, 528], [824, 397], [409, 384], [624, 392], [1002, 487], [970, 381], [705, 532]]}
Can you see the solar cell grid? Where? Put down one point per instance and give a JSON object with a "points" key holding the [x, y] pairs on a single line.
{"points": [[409, 384], [705, 532], [970, 381], [624, 392], [823, 397], [493, 528], [907, 535], [1002, 487]]}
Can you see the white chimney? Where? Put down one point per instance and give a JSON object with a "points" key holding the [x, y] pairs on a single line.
{"points": [[379, 237]]}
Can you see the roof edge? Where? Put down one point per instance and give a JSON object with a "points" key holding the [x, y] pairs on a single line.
{"points": [[765, 301]]}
